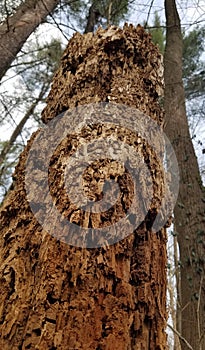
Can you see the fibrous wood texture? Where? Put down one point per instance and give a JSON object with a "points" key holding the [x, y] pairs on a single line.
{"points": [[57, 296]]}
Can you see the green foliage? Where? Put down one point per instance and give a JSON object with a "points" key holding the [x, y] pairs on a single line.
{"points": [[35, 71], [38, 67], [193, 64], [193, 47], [52, 53], [158, 33], [74, 6]]}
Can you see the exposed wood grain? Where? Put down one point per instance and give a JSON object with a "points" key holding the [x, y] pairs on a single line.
{"points": [[56, 296]]}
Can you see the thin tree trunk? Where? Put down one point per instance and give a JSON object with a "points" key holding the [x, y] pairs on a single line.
{"points": [[177, 323], [92, 19], [17, 28], [190, 208], [19, 127], [60, 296]]}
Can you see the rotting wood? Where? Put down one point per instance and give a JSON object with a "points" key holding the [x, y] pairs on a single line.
{"points": [[56, 296]]}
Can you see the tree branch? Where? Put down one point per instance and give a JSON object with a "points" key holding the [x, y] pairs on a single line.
{"points": [[16, 29], [19, 128], [180, 336]]}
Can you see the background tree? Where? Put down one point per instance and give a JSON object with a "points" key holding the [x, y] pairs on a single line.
{"points": [[15, 30], [192, 72], [190, 208], [68, 18], [36, 73]]}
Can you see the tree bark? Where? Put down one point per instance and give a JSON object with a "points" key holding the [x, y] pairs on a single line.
{"points": [[92, 19], [189, 212], [58, 296], [17, 28]]}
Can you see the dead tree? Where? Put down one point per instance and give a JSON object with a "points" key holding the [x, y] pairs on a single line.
{"points": [[58, 296]]}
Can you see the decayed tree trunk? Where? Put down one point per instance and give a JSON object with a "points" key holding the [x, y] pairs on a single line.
{"points": [[17, 28], [190, 208], [57, 296]]}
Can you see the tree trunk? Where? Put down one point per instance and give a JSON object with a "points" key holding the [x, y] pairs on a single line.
{"points": [[92, 19], [17, 28], [189, 218], [58, 296], [18, 130]]}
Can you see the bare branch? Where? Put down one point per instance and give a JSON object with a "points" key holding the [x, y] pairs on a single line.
{"points": [[180, 336], [150, 8], [20, 126]]}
